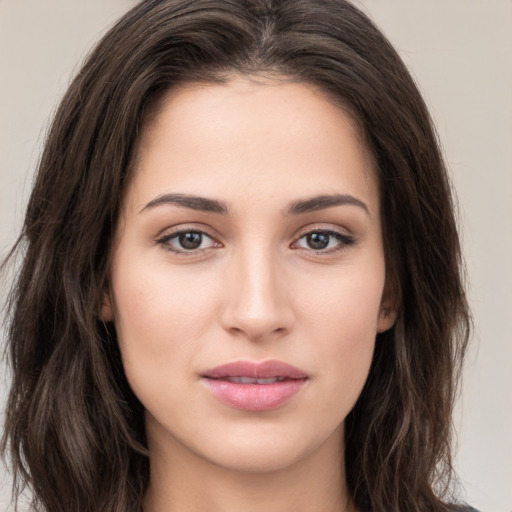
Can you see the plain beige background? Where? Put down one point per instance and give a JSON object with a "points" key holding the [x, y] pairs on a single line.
{"points": [[460, 52]]}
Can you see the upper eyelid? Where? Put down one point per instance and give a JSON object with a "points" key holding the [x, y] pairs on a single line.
{"points": [[166, 235], [164, 241], [176, 230], [329, 228], [342, 237], [173, 231]]}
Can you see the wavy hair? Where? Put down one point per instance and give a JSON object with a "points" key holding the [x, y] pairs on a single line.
{"points": [[73, 429]]}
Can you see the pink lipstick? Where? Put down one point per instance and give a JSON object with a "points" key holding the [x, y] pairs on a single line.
{"points": [[254, 386]]}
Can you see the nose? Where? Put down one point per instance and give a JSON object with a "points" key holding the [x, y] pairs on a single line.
{"points": [[257, 305]]}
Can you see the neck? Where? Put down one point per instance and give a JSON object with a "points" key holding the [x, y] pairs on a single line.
{"points": [[182, 481]]}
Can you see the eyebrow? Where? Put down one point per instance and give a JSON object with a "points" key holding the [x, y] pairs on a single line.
{"points": [[324, 201], [193, 202], [301, 206]]}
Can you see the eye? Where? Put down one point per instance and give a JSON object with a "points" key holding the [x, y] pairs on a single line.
{"points": [[187, 241], [324, 241]]}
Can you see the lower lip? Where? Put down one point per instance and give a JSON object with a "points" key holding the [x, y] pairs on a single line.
{"points": [[254, 397]]}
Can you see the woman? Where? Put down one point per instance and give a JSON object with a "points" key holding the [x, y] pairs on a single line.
{"points": [[241, 284]]}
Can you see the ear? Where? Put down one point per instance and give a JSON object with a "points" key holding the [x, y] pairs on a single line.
{"points": [[388, 307], [106, 310], [387, 319]]}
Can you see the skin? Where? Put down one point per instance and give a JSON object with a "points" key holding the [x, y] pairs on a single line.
{"points": [[254, 290]]}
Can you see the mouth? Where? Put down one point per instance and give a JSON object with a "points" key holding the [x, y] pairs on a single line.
{"points": [[250, 380], [254, 387]]}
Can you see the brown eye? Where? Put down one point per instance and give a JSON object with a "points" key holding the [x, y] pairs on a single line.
{"points": [[324, 241], [187, 241], [318, 240], [191, 240]]}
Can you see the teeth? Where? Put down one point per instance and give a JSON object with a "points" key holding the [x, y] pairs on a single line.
{"points": [[250, 380]]}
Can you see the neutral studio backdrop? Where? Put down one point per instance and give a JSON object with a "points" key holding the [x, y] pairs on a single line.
{"points": [[460, 52]]}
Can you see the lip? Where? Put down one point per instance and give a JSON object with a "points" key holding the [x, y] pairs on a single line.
{"points": [[254, 396]]}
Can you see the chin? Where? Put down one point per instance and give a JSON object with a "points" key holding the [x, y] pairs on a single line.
{"points": [[268, 450], [258, 458]]}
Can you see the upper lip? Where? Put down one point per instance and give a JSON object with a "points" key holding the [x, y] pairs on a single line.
{"points": [[262, 370]]}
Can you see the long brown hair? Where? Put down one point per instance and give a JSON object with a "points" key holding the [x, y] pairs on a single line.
{"points": [[73, 428]]}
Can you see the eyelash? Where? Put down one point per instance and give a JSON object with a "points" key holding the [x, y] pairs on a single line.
{"points": [[166, 239], [344, 241]]}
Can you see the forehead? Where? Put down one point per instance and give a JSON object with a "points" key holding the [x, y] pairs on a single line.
{"points": [[248, 136]]}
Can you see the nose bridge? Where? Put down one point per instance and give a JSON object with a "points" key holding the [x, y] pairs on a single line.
{"points": [[258, 306]]}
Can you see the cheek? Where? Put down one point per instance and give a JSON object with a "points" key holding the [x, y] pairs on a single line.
{"points": [[342, 321], [345, 303], [160, 318], [348, 329], [157, 303]]}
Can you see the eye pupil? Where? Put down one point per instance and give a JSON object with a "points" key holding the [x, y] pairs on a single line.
{"points": [[190, 240], [318, 240]]}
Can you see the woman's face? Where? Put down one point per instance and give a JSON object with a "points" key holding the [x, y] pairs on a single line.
{"points": [[250, 237]]}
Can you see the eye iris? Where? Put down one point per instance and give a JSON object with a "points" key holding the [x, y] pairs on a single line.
{"points": [[318, 240], [190, 240]]}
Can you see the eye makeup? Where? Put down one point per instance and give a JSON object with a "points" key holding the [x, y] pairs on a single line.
{"points": [[189, 240]]}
